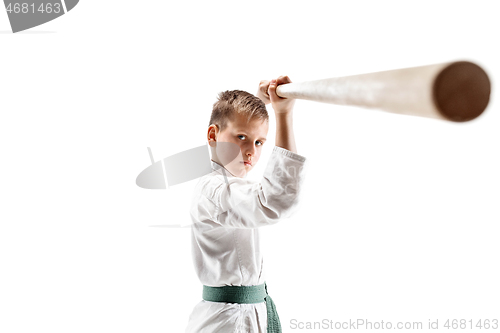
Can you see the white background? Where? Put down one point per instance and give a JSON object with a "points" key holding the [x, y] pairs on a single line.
{"points": [[399, 219]]}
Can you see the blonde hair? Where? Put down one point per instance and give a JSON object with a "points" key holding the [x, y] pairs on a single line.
{"points": [[237, 101]]}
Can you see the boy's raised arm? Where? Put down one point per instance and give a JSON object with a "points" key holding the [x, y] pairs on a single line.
{"points": [[241, 203], [283, 110]]}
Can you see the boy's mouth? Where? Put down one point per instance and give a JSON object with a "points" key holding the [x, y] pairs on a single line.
{"points": [[247, 163]]}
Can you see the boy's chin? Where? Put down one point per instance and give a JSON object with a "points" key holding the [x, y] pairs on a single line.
{"points": [[240, 170]]}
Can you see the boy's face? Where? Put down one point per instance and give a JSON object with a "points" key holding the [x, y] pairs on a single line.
{"points": [[250, 138]]}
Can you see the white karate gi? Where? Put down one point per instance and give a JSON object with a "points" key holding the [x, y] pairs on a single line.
{"points": [[225, 237]]}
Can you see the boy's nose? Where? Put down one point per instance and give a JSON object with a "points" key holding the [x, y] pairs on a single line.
{"points": [[250, 151]]}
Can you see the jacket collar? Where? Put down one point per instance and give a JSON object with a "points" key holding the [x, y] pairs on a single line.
{"points": [[218, 168]]}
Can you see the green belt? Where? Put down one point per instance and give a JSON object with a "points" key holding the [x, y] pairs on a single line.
{"points": [[246, 295]]}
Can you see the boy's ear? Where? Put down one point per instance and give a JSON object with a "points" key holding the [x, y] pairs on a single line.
{"points": [[212, 134]]}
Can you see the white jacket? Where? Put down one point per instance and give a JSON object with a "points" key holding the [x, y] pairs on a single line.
{"points": [[226, 213]]}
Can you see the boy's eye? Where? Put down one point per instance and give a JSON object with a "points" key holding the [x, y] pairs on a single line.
{"points": [[260, 143]]}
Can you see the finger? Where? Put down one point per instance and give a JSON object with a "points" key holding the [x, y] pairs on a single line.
{"points": [[269, 86], [264, 85], [283, 79], [272, 91]]}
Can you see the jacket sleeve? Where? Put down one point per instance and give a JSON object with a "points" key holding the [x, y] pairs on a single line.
{"points": [[242, 203]]}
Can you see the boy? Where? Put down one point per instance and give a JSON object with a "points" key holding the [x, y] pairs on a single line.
{"points": [[228, 209]]}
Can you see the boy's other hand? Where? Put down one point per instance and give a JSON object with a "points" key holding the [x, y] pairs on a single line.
{"points": [[280, 105], [262, 92]]}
